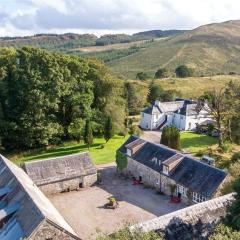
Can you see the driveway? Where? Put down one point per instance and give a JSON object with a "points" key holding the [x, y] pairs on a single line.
{"points": [[85, 210], [152, 136]]}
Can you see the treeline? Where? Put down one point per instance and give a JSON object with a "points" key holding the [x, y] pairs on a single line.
{"points": [[46, 98]]}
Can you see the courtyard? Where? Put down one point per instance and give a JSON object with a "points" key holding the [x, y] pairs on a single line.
{"points": [[85, 210]]}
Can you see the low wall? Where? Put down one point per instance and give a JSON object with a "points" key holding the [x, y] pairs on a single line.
{"points": [[197, 219]]}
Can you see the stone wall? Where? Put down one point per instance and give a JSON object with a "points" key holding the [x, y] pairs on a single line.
{"points": [[47, 231], [89, 180], [69, 185], [196, 220], [149, 176]]}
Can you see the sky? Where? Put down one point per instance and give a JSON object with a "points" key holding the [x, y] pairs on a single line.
{"points": [[28, 17]]}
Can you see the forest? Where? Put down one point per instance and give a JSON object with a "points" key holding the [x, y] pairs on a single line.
{"points": [[46, 98]]}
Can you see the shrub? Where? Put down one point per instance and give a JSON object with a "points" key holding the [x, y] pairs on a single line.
{"points": [[183, 71], [161, 73], [142, 76], [235, 157]]}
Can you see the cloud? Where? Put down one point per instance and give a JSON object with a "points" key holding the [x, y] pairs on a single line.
{"points": [[101, 16]]}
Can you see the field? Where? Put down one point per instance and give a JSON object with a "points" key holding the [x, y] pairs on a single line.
{"points": [[91, 49], [100, 151], [194, 87], [194, 143]]}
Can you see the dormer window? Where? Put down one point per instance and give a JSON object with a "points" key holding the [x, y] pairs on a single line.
{"points": [[165, 170], [129, 152]]}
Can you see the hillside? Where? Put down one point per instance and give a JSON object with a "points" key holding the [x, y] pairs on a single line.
{"points": [[192, 87], [209, 49], [69, 42]]}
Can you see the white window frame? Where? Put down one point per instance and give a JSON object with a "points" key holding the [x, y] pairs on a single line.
{"points": [[165, 170], [181, 189], [129, 152], [198, 198]]}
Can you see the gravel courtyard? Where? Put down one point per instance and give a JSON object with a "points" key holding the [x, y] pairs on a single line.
{"points": [[84, 210]]}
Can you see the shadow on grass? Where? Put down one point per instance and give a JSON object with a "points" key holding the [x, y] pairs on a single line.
{"points": [[62, 151]]}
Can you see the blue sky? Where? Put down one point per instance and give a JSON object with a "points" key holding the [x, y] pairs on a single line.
{"points": [[27, 17]]}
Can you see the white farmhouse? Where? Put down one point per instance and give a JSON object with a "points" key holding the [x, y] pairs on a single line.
{"points": [[182, 113]]}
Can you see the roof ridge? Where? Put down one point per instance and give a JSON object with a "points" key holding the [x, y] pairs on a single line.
{"points": [[184, 155], [53, 158]]}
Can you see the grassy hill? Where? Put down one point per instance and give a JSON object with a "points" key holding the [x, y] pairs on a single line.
{"points": [[191, 87], [72, 43], [209, 49]]}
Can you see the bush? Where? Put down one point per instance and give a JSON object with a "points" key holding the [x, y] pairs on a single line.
{"points": [[142, 76], [183, 71], [126, 234], [235, 157], [161, 73]]}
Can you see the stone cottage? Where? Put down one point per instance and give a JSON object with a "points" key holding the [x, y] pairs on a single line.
{"points": [[62, 173], [185, 114], [170, 171], [25, 212]]}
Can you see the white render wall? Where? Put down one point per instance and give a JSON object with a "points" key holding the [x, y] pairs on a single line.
{"points": [[146, 121]]}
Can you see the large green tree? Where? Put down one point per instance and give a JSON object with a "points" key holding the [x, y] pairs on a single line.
{"points": [[43, 95]]}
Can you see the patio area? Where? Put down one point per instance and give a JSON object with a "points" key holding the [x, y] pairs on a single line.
{"points": [[85, 210]]}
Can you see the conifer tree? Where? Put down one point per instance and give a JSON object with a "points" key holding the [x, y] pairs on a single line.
{"points": [[108, 129], [88, 136]]}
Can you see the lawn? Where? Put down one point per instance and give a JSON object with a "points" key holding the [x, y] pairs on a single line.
{"points": [[194, 143], [100, 151]]}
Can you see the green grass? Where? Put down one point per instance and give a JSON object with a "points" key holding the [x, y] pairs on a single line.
{"points": [[194, 143], [100, 151]]}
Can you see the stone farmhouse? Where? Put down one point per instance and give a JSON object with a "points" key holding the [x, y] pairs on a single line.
{"points": [[25, 212], [62, 174], [170, 171], [182, 113]]}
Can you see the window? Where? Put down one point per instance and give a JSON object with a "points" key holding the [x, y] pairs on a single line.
{"points": [[129, 152], [182, 190], [165, 169], [197, 198]]}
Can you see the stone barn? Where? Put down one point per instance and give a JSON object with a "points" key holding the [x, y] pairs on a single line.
{"points": [[170, 171], [62, 174], [25, 212]]}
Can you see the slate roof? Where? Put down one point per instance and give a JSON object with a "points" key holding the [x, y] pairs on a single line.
{"points": [[28, 204], [151, 110], [44, 172], [150, 155], [185, 107], [198, 176], [191, 173]]}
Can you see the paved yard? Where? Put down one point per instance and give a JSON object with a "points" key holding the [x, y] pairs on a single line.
{"points": [[85, 211], [152, 136]]}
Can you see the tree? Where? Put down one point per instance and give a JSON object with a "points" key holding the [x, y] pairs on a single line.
{"points": [[161, 73], [183, 71], [155, 93], [142, 76], [121, 161], [131, 97], [223, 232], [219, 110], [126, 234], [88, 136], [233, 212], [108, 129], [171, 137]]}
